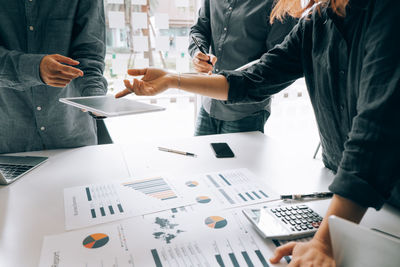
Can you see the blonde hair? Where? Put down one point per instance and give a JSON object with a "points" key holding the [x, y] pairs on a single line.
{"points": [[295, 9]]}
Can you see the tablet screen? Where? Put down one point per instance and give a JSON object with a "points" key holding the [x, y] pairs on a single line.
{"points": [[110, 106]]}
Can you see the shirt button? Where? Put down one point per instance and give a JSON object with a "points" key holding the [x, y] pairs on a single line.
{"points": [[42, 128], [230, 8], [219, 49], [225, 29], [216, 69], [341, 72], [31, 28], [341, 107], [39, 108]]}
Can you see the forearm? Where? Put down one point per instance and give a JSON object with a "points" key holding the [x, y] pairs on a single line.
{"points": [[341, 207], [19, 70], [214, 86], [88, 47]]}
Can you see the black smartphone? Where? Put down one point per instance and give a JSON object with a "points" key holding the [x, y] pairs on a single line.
{"points": [[222, 150]]}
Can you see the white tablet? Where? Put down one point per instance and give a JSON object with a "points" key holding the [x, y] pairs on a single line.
{"points": [[109, 106]]}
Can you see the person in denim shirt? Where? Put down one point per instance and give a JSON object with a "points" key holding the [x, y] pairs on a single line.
{"points": [[348, 52], [49, 50]]}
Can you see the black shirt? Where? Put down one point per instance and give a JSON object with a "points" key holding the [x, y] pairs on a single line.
{"points": [[354, 87]]}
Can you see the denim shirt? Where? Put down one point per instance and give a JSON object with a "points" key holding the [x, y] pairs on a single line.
{"points": [[354, 87], [236, 32], [31, 116]]}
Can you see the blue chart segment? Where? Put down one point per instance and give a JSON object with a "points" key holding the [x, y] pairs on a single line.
{"points": [[234, 260], [247, 259], [156, 258], [224, 179], [216, 222], [219, 260], [95, 241], [153, 187], [261, 258], [192, 183], [203, 199], [96, 195]]}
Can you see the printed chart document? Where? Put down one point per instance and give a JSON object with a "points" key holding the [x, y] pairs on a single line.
{"points": [[99, 203], [226, 189], [184, 238]]}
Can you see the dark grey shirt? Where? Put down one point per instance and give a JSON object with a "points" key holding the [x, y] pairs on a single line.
{"points": [[31, 117], [353, 79], [236, 32]]}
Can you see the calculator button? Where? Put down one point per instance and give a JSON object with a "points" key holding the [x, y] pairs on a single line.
{"points": [[278, 215], [309, 226], [297, 221], [273, 210], [303, 227], [283, 209], [316, 224], [283, 220], [298, 228], [302, 207]]}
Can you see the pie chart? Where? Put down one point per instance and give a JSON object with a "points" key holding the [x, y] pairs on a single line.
{"points": [[216, 222], [95, 241], [203, 199], [192, 183]]}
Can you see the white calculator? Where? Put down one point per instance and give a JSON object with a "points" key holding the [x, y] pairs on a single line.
{"points": [[284, 222]]}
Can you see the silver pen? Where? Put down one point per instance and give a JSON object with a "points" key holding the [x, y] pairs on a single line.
{"points": [[176, 151], [312, 195]]}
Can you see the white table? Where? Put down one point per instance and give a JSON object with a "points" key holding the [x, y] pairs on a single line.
{"points": [[33, 207]]}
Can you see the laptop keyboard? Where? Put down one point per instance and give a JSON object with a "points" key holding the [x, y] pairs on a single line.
{"points": [[12, 171]]}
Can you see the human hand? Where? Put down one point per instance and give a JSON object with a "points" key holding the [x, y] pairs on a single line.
{"points": [[54, 72], [200, 62], [312, 253], [153, 82]]}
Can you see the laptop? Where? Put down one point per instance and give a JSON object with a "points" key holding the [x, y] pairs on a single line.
{"points": [[358, 246], [13, 167], [109, 106]]}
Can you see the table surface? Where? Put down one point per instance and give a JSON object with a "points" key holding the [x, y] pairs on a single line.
{"points": [[33, 207]]}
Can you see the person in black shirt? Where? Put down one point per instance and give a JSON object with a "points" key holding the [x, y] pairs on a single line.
{"points": [[348, 52]]}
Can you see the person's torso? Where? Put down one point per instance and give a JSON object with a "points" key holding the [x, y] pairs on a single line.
{"points": [[332, 69], [33, 118], [239, 32]]}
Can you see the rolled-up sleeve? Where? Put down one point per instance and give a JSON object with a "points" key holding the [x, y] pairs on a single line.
{"points": [[277, 69], [202, 29], [19, 70], [368, 171], [88, 47]]}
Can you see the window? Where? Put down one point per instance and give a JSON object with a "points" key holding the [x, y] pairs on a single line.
{"points": [[147, 33]]}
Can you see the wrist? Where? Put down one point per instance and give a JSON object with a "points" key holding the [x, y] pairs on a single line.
{"points": [[173, 80]]}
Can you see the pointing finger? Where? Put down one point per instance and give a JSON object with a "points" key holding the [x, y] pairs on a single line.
{"points": [[282, 251], [137, 72], [66, 60], [123, 93]]}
